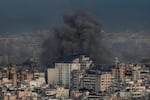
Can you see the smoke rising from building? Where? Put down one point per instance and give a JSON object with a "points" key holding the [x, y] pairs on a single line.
{"points": [[81, 34]]}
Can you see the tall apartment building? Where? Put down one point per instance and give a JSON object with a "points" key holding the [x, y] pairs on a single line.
{"points": [[106, 81], [97, 81], [53, 76], [90, 81], [136, 73], [119, 73], [76, 78], [65, 65], [65, 70]]}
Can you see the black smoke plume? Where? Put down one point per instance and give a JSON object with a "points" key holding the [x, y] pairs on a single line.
{"points": [[80, 34]]}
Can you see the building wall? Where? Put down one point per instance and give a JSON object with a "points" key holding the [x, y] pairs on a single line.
{"points": [[65, 70], [106, 80], [136, 73], [9, 97], [90, 81], [29, 76], [53, 75], [76, 77], [14, 80], [40, 81]]}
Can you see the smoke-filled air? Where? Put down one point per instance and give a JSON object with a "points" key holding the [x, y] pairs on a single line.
{"points": [[80, 34]]}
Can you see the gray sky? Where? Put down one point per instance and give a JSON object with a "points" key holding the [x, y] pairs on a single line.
{"points": [[114, 15]]}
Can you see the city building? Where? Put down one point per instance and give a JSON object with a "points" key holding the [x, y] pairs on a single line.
{"points": [[76, 79], [53, 76], [90, 81], [65, 65], [106, 81]]}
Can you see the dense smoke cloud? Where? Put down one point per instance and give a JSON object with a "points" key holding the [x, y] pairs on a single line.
{"points": [[81, 34]]}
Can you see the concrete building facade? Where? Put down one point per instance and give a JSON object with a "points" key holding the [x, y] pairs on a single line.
{"points": [[106, 81]]}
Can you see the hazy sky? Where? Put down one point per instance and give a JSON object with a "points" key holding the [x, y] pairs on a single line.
{"points": [[114, 15]]}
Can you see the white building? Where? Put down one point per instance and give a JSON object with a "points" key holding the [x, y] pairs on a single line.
{"points": [[65, 70], [53, 75], [64, 66]]}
